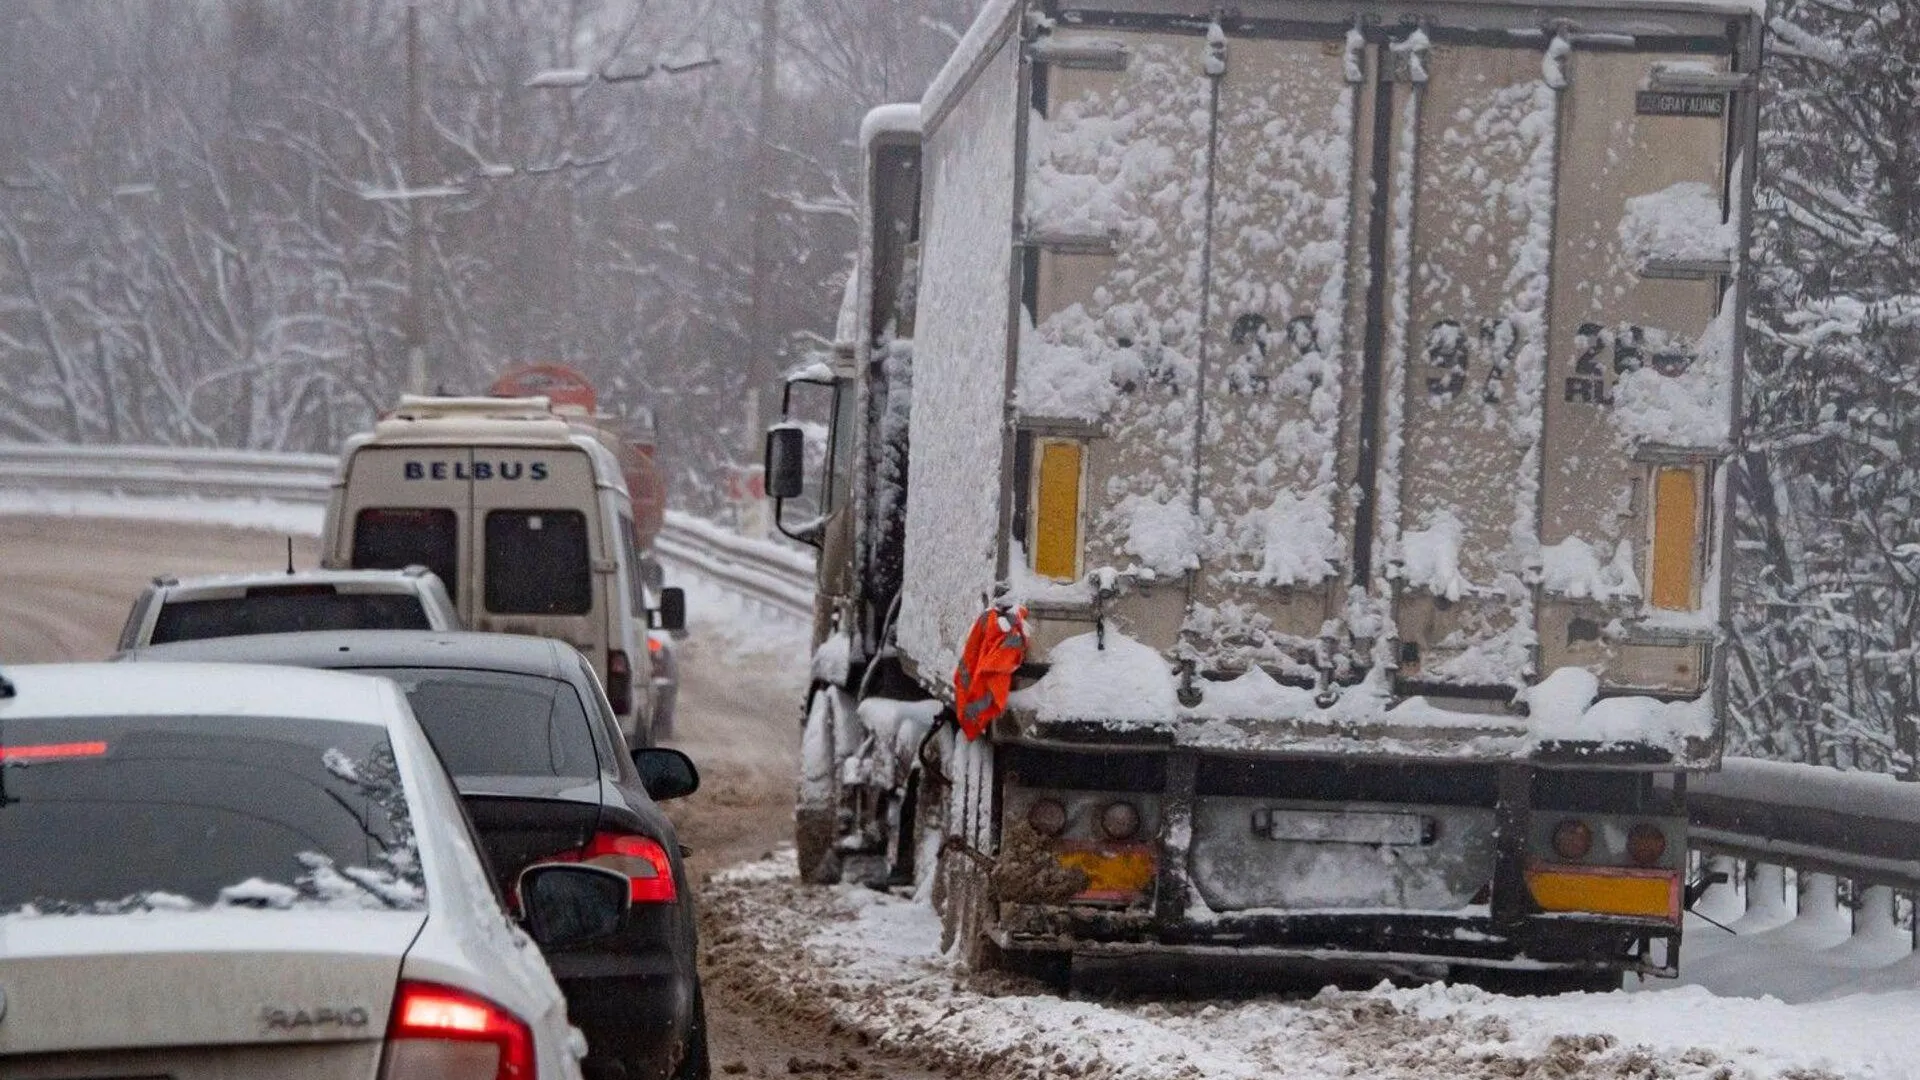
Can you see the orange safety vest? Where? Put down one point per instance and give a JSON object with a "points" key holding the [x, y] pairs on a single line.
{"points": [[996, 647]]}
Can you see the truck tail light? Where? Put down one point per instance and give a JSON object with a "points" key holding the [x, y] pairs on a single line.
{"points": [[1572, 839], [1056, 509], [619, 681], [444, 1032], [1674, 560], [1646, 844], [1120, 820], [1047, 817]]}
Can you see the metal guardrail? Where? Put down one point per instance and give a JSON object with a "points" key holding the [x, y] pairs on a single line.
{"points": [[766, 573], [1861, 826]]}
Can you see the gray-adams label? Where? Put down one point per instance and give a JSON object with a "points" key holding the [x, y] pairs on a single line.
{"points": [[1705, 103]]}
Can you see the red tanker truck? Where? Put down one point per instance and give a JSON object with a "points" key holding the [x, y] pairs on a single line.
{"points": [[632, 442]]}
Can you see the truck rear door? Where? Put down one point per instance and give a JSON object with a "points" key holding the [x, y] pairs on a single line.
{"points": [[1402, 345], [544, 567], [410, 505], [1555, 397]]}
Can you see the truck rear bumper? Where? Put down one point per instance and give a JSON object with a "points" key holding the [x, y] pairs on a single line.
{"points": [[1532, 942]]}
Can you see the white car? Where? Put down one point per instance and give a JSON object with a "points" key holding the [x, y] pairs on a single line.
{"points": [[290, 601], [245, 871]]}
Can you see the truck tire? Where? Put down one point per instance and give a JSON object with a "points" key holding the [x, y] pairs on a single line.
{"points": [[969, 923], [814, 834], [816, 814]]}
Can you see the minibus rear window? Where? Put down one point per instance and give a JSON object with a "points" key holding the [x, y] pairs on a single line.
{"points": [[393, 538], [537, 563]]}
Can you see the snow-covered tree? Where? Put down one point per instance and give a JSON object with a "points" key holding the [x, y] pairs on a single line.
{"points": [[1829, 594]]}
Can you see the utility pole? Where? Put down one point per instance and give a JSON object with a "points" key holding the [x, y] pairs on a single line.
{"points": [[761, 366], [414, 321], [570, 313]]}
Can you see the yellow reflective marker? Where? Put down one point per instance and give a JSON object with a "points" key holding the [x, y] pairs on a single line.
{"points": [[1676, 538], [1605, 891], [1112, 874], [1056, 510]]}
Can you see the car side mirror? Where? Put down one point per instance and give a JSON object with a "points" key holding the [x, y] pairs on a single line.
{"points": [[568, 904], [672, 612], [786, 464], [666, 773], [652, 574]]}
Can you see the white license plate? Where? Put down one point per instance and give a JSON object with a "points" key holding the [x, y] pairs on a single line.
{"points": [[1343, 827]]}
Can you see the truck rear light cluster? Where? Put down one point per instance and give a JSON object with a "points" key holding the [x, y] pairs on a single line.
{"points": [[1573, 842], [442, 1032]]}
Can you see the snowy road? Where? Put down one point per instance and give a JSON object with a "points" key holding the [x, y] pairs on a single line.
{"points": [[869, 962], [66, 582], [849, 982]]}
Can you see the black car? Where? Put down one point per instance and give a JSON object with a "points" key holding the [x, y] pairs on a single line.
{"points": [[537, 754]]}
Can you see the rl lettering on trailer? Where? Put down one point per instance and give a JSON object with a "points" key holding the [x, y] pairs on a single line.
{"points": [[479, 470]]}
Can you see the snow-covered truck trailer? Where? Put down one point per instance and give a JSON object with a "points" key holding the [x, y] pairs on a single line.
{"points": [[1338, 398]]}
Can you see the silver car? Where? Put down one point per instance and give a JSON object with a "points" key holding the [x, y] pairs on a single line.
{"points": [[235, 605], [247, 871]]}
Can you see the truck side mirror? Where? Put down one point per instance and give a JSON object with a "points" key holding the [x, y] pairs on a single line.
{"points": [[672, 612], [786, 461]]}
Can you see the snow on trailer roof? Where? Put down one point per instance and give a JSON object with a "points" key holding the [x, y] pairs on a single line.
{"points": [[900, 118], [998, 20], [59, 690]]}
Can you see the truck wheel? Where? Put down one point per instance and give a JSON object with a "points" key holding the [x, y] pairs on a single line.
{"points": [[816, 815], [814, 832]]}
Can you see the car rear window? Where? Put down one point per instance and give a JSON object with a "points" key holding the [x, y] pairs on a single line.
{"points": [[498, 723], [537, 563], [144, 813], [393, 538], [269, 612]]}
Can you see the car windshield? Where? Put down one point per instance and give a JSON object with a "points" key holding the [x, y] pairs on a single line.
{"points": [[285, 612], [109, 814], [497, 723]]}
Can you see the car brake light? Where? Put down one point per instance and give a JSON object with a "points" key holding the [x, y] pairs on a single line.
{"points": [[643, 860], [52, 751], [654, 645], [619, 681], [441, 1031]]}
